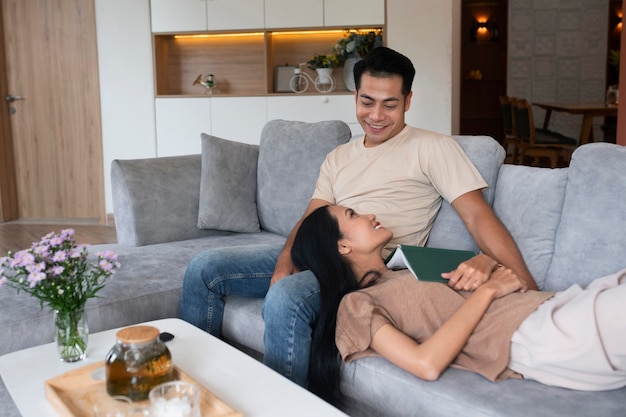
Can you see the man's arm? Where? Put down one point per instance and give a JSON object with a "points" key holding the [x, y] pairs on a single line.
{"points": [[492, 238], [284, 265]]}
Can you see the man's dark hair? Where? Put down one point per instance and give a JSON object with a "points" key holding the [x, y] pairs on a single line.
{"points": [[385, 62]]}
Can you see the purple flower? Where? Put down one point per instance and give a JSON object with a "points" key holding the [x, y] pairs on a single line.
{"points": [[108, 255], [35, 277], [41, 250], [105, 265], [3, 280], [59, 256], [67, 233], [38, 267], [56, 241], [57, 270], [21, 259], [77, 252]]}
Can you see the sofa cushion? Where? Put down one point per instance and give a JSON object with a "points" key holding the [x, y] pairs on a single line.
{"points": [[448, 230], [529, 202], [590, 240], [156, 199], [228, 185], [290, 156]]}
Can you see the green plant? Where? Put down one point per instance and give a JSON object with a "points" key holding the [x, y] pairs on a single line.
{"points": [[614, 56], [356, 44], [323, 61]]}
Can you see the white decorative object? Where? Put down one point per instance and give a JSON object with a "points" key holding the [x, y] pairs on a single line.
{"points": [[348, 74], [324, 81]]}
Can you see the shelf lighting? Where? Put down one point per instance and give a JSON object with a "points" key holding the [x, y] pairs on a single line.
{"points": [[281, 33], [322, 32], [217, 35]]}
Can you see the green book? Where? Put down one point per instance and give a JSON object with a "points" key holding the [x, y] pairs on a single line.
{"points": [[427, 264]]}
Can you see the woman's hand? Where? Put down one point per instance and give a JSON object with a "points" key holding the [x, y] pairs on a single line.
{"points": [[472, 273], [504, 281]]}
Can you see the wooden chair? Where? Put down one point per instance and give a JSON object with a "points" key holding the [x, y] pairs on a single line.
{"points": [[538, 143], [508, 128]]}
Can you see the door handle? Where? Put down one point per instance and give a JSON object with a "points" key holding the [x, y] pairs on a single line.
{"points": [[11, 98]]}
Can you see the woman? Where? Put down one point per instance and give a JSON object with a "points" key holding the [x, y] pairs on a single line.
{"points": [[574, 338]]}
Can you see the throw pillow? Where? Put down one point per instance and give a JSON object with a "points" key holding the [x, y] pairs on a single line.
{"points": [[290, 156], [228, 185]]}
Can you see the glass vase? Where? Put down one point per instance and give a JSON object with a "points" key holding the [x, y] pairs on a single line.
{"points": [[71, 334]]}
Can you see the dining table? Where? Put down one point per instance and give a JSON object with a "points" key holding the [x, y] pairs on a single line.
{"points": [[587, 110]]}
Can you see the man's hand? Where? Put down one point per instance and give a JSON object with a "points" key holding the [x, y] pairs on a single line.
{"points": [[284, 267], [284, 264], [472, 273]]}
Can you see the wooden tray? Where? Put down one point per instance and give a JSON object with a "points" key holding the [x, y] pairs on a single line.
{"points": [[74, 393]]}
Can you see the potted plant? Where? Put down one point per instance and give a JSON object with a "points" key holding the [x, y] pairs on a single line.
{"points": [[324, 66], [323, 61], [352, 48]]}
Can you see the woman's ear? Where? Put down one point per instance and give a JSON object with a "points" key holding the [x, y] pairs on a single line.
{"points": [[344, 247]]}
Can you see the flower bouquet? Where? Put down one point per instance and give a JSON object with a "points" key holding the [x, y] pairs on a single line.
{"points": [[352, 48], [58, 273], [356, 44]]}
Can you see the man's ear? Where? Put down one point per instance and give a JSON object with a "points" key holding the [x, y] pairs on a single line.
{"points": [[344, 247]]}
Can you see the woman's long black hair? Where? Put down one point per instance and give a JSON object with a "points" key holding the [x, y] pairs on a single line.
{"points": [[315, 248]]}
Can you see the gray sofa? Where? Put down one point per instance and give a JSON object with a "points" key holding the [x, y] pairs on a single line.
{"points": [[569, 224]]}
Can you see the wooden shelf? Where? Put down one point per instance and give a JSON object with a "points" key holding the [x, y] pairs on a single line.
{"points": [[243, 63]]}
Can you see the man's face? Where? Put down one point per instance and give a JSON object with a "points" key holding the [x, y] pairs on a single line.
{"points": [[380, 107]]}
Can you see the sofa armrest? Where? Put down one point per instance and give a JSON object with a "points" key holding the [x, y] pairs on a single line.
{"points": [[155, 200]]}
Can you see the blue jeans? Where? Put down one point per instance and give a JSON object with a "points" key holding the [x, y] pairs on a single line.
{"points": [[290, 309]]}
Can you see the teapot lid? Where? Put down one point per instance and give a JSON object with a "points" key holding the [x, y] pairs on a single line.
{"points": [[137, 334]]}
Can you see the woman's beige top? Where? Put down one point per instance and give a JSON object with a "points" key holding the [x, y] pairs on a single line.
{"points": [[419, 308]]}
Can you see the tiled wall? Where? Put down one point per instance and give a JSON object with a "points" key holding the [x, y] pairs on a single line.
{"points": [[557, 51]]}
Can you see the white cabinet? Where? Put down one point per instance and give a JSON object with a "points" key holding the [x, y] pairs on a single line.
{"points": [[179, 123], [314, 109], [294, 13], [238, 118], [354, 12], [178, 15], [234, 14], [202, 15]]}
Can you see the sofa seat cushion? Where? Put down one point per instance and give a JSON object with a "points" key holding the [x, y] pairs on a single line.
{"points": [[290, 156], [590, 240], [228, 185], [368, 382]]}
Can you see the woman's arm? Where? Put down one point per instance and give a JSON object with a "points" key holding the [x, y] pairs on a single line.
{"points": [[429, 359]]}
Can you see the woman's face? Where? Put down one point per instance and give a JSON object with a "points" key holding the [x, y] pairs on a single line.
{"points": [[361, 233]]}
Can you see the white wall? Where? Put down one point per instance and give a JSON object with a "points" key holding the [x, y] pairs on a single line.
{"points": [[420, 29], [126, 83]]}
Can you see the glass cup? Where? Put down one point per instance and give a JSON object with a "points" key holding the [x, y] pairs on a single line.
{"points": [[175, 399], [117, 406]]}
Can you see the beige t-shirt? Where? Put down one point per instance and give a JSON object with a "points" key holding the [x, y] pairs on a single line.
{"points": [[419, 308], [401, 181]]}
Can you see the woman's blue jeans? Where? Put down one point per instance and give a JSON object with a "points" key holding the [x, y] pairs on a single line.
{"points": [[290, 309]]}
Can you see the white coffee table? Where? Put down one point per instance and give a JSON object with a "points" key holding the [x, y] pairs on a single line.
{"points": [[242, 382]]}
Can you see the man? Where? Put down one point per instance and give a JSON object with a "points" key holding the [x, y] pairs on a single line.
{"points": [[396, 171]]}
